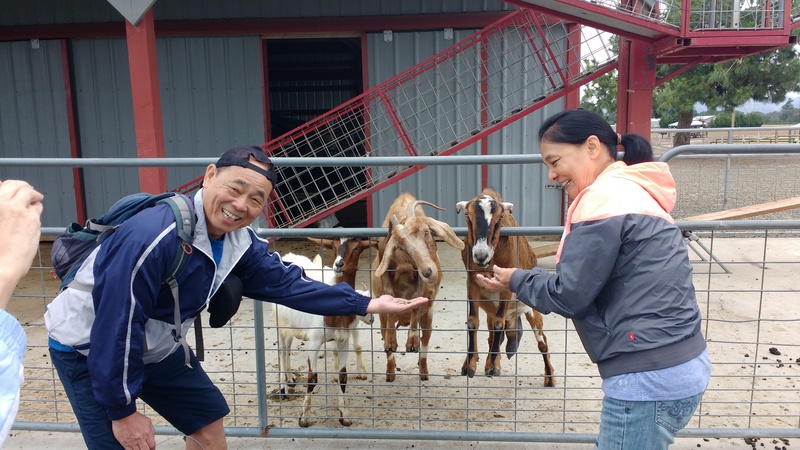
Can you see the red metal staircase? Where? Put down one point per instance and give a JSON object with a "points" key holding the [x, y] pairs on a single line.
{"points": [[520, 63]]}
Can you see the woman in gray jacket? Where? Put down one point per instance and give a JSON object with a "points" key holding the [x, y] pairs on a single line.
{"points": [[624, 278]]}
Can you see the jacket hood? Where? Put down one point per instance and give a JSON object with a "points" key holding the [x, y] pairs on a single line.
{"points": [[654, 177]]}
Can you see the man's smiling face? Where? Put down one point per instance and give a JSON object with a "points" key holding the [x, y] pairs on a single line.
{"points": [[233, 197]]}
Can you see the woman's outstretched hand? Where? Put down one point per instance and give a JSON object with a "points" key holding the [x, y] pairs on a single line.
{"points": [[499, 281]]}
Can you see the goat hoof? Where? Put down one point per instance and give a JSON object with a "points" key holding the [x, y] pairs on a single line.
{"points": [[492, 371], [467, 371], [549, 382], [304, 423], [423, 377], [390, 377], [345, 422], [361, 376], [282, 395], [412, 349]]}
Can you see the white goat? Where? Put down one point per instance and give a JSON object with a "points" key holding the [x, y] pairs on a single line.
{"points": [[316, 330]]}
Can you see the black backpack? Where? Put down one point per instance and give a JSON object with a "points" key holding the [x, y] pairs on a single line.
{"points": [[73, 246]]}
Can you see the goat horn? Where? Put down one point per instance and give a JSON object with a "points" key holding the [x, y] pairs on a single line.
{"points": [[410, 212], [460, 206]]}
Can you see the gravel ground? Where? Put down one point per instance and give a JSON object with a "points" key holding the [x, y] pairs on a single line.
{"points": [[712, 183]]}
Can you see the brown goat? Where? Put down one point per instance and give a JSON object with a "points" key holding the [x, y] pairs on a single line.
{"points": [[486, 214], [348, 250], [407, 266]]}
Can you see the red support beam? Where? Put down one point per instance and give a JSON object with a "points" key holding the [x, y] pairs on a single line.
{"points": [[635, 82], [484, 112], [147, 119], [573, 63], [72, 129]]}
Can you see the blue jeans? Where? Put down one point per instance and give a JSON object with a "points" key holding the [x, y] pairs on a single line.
{"points": [[626, 425], [186, 397]]}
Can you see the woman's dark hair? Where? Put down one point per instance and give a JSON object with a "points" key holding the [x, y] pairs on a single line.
{"points": [[574, 126]]}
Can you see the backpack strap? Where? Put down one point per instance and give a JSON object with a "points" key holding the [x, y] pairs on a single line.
{"points": [[185, 224]]}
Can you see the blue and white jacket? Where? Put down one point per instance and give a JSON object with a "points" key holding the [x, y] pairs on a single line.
{"points": [[126, 319]]}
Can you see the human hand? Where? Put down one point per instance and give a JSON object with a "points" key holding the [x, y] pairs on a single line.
{"points": [[135, 432], [498, 282], [386, 304], [20, 220]]}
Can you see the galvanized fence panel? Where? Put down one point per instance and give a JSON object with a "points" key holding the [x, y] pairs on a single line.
{"points": [[750, 315]]}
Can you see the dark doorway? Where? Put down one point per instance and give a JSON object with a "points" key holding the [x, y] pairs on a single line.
{"points": [[307, 78]]}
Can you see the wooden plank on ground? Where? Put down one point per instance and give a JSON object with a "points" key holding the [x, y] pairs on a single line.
{"points": [[750, 211], [543, 251]]}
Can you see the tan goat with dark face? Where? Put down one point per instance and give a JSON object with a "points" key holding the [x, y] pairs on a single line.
{"points": [[486, 214], [407, 266]]}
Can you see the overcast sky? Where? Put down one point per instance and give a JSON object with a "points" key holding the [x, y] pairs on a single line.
{"points": [[751, 106]]}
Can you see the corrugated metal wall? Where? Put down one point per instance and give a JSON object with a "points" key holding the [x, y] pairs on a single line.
{"points": [[211, 99], [33, 121], [522, 185]]}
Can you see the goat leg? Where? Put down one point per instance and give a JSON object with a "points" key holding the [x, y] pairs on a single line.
{"points": [[426, 325], [391, 366], [362, 369], [514, 338], [536, 321], [496, 337], [312, 383], [390, 347], [343, 419], [468, 368]]}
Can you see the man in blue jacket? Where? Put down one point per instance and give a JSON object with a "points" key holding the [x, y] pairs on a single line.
{"points": [[115, 341]]}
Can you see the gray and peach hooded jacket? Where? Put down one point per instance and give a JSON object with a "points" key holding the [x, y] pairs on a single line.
{"points": [[623, 274]]}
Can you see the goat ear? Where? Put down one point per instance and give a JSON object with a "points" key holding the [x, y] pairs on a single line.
{"points": [[442, 229], [460, 206], [508, 206], [387, 256], [367, 243]]}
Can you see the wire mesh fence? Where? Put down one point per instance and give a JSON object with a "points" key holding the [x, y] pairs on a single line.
{"points": [[749, 315]]}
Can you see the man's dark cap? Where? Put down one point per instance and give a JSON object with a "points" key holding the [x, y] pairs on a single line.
{"points": [[240, 156]]}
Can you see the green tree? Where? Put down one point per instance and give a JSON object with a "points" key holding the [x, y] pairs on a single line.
{"points": [[788, 113], [600, 96], [765, 77]]}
